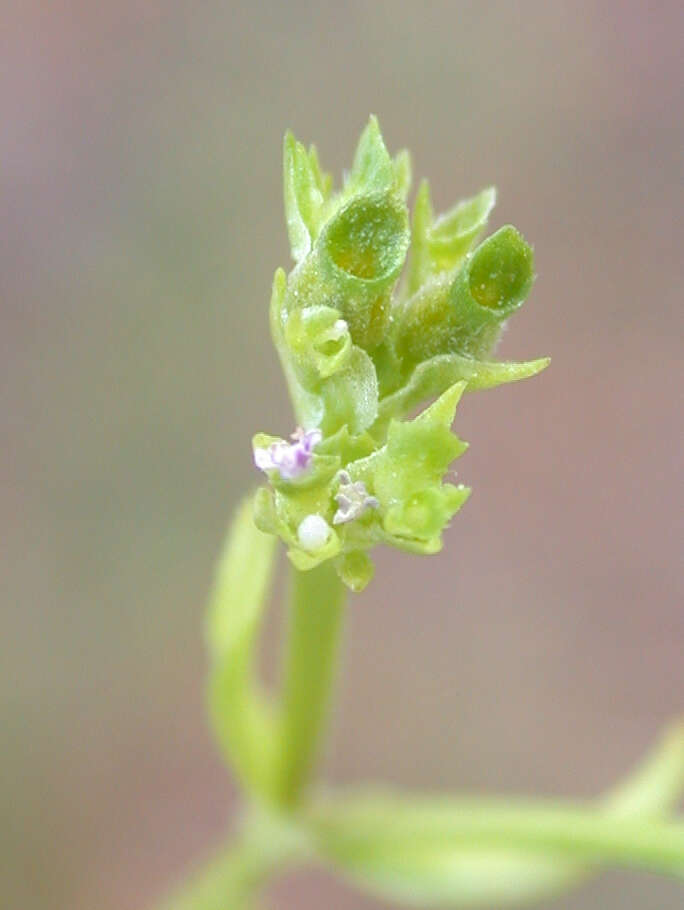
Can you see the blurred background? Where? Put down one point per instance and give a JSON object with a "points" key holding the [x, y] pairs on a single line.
{"points": [[141, 225]]}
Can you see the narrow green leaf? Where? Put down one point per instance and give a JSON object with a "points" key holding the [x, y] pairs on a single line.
{"points": [[440, 245], [323, 181], [297, 229], [402, 173], [464, 853], [444, 876], [430, 377], [419, 263], [453, 234], [425, 848], [373, 169], [351, 395], [241, 716], [657, 784], [388, 822], [307, 404], [482, 374], [305, 190]]}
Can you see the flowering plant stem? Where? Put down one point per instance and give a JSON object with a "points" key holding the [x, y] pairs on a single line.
{"points": [[379, 316], [317, 601]]}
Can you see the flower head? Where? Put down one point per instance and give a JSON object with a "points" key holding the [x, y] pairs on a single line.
{"points": [[291, 460], [376, 350]]}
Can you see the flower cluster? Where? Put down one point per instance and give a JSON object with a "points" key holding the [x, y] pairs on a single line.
{"points": [[377, 317]]}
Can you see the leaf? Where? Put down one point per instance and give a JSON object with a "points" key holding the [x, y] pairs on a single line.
{"points": [[438, 849], [418, 452], [241, 716], [305, 190], [423, 216], [430, 377], [450, 877], [423, 515], [406, 476], [441, 245], [308, 405], [402, 173], [349, 447], [351, 395], [453, 234], [355, 569], [656, 785], [373, 170], [323, 181], [463, 853]]}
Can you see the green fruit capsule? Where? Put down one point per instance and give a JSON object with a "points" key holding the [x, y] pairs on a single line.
{"points": [[463, 313], [355, 264]]}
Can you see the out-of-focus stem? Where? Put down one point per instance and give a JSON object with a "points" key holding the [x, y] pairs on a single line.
{"points": [[315, 622]]}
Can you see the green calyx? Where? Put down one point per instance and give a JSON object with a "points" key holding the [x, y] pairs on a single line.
{"points": [[462, 310], [375, 319]]}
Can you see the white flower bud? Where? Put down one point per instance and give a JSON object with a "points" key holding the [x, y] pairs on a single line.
{"points": [[313, 532]]}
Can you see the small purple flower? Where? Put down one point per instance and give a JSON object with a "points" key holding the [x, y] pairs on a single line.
{"points": [[291, 460]]}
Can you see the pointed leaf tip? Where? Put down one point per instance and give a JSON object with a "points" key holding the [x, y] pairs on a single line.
{"points": [[372, 170], [305, 190]]}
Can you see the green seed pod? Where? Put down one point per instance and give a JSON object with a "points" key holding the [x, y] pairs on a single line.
{"points": [[463, 313], [355, 264]]}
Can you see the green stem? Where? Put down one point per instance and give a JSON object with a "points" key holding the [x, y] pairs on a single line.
{"points": [[316, 609]]}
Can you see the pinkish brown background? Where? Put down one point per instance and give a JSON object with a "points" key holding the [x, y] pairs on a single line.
{"points": [[141, 224]]}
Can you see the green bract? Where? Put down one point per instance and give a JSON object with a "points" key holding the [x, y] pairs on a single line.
{"points": [[361, 347]]}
